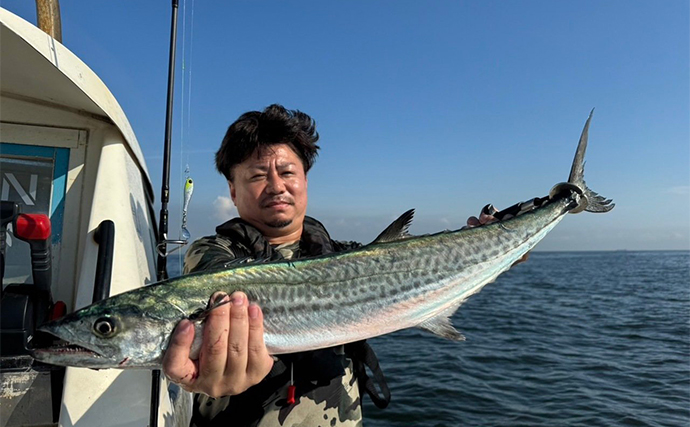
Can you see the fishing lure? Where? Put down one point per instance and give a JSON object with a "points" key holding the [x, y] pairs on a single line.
{"points": [[184, 233], [188, 190]]}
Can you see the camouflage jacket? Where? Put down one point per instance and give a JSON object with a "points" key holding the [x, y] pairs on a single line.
{"points": [[326, 390]]}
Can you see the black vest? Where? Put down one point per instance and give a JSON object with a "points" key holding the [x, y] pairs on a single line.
{"points": [[316, 366]]}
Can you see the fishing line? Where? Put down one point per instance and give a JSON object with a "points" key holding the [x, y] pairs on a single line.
{"points": [[189, 183], [182, 116], [185, 115], [191, 58]]}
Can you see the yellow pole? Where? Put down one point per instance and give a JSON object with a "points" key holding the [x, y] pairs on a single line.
{"points": [[48, 12]]}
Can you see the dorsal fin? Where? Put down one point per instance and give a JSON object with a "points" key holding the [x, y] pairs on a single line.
{"points": [[397, 230]]}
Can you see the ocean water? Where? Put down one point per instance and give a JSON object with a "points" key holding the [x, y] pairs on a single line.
{"points": [[565, 339]]}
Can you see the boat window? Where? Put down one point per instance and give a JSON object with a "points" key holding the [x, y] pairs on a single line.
{"points": [[34, 177]]}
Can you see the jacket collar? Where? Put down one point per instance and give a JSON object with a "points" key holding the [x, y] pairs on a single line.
{"points": [[313, 242]]}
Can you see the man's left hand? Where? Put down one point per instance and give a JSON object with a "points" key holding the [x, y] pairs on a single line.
{"points": [[488, 218]]}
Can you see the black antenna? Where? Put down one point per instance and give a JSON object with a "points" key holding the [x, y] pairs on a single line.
{"points": [[162, 272], [162, 264]]}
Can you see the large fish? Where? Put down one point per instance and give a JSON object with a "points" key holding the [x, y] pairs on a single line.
{"points": [[396, 282]]}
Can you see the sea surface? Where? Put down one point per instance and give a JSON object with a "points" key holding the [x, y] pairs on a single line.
{"points": [[565, 339]]}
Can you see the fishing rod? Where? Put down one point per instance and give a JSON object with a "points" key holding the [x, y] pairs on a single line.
{"points": [[162, 263]]}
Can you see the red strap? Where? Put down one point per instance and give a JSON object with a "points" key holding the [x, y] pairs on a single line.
{"points": [[291, 395]]}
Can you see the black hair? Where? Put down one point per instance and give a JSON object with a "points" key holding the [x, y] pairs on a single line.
{"points": [[254, 131]]}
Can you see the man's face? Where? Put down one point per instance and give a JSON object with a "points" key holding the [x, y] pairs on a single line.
{"points": [[270, 191]]}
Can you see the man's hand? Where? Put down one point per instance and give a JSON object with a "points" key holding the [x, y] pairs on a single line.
{"points": [[486, 217], [233, 356]]}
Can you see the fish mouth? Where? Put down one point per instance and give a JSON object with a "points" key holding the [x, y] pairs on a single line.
{"points": [[66, 348], [45, 345]]}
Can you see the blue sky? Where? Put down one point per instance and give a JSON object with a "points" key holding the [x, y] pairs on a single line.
{"points": [[443, 106]]}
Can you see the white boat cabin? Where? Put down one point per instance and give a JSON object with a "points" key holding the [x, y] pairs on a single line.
{"points": [[68, 152]]}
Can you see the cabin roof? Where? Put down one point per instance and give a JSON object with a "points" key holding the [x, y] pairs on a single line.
{"points": [[51, 73]]}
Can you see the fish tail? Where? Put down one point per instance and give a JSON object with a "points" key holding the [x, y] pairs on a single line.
{"points": [[590, 201]]}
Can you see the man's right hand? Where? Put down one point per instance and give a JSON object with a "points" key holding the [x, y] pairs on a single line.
{"points": [[233, 356]]}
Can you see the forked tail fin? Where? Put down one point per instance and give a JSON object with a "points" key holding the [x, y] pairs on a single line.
{"points": [[592, 202]]}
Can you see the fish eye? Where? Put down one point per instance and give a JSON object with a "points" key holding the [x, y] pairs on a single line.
{"points": [[104, 327]]}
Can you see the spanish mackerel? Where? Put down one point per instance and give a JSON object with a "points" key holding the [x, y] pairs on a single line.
{"points": [[396, 282]]}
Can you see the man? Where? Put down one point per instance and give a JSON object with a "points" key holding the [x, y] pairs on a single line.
{"points": [[265, 157]]}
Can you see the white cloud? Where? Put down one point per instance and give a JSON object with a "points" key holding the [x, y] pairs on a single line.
{"points": [[681, 190], [223, 208]]}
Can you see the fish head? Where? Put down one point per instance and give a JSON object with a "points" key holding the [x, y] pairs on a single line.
{"points": [[107, 334]]}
